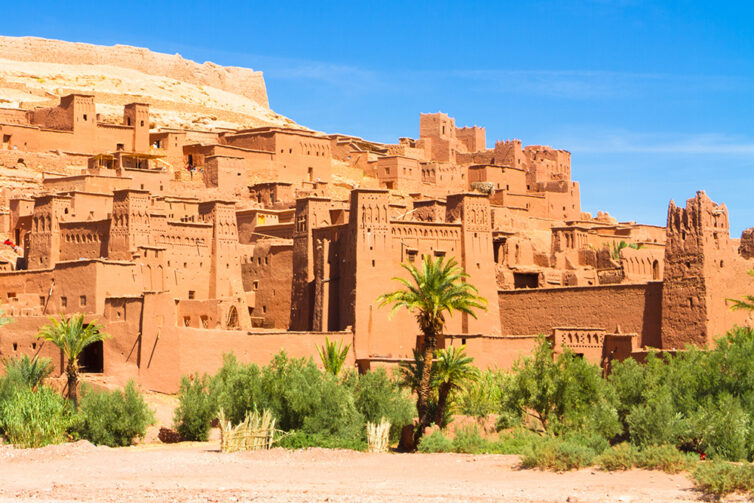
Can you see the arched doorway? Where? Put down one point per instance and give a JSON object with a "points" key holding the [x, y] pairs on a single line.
{"points": [[656, 270], [233, 318]]}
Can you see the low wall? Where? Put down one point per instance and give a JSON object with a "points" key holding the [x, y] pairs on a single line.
{"points": [[633, 308]]}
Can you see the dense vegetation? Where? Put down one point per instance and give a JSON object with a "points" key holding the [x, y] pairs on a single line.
{"points": [[34, 415], [313, 407]]}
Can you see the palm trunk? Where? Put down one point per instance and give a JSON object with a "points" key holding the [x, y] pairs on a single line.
{"points": [[442, 403], [425, 385], [73, 381]]}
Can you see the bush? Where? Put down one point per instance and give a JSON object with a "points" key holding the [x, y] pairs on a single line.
{"points": [[27, 371], [196, 409], [435, 442], [557, 455], [35, 419], [377, 396], [468, 440], [720, 478], [514, 442], [236, 389], [619, 457], [483, 396], [303, 440], [665, 458], [564, 393], [112, 418]]}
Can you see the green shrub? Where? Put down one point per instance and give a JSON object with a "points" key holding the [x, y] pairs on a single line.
{"points": [[301, 397], [619, 457], [435, 442], [514, 442], [665, 458], [113, 418], [196, 409], [564, 393], [377, 396], [27, 371], [720, 428], [303, 440], [237, 389], [721, 478], [468, 440], [35, 418], [557, 455], [483, 396]]}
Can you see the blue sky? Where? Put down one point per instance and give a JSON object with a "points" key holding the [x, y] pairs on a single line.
{"points": [[655, 100]]}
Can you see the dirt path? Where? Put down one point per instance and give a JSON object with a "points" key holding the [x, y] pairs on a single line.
{"points": [[198, 472]]}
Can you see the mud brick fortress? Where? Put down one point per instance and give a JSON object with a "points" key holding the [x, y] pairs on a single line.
{"points": [[187, 244]]}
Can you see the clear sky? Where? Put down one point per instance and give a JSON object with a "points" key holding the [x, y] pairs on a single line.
{"points": [[655, 100]]}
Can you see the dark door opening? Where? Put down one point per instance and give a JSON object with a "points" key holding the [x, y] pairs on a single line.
{"points": [[91, 359], [525, 280]]}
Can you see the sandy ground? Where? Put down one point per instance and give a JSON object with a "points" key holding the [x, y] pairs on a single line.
{"points": [[194, 472]]}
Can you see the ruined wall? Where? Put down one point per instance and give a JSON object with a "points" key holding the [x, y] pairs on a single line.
{"points": [[634, 308], [243, 81]]}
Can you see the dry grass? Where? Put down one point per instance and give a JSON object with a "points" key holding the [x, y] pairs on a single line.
{"points": [[378, 436], [256, 432]]}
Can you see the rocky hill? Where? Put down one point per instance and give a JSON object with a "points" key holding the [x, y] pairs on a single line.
{"points": [[182, 93]]}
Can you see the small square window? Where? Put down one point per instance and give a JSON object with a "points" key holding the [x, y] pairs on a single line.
{"points": [[64, 301], [191, 294], [256, 285], [41, 300], [82, 300], [84, 116]]}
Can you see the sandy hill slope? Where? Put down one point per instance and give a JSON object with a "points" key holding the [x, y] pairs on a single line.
{"points": [[182, 93]]}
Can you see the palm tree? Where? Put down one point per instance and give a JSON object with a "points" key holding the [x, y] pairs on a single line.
{"points": [[454, 369], [29, 371], [747, 303], [437, 289], [71, 335], [333, 356]]}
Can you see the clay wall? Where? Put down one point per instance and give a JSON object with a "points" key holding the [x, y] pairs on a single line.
{"points": [[644, 264], [86, 240], [502, 177], [399, 173], [188, 257], [267, 272], [227, 174], [86, 183], [633, 308], [473, 138]]}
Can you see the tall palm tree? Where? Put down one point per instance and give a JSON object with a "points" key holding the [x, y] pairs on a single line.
{"points": [[71, 335], [748, 301], [454, 369], [437, 289]]}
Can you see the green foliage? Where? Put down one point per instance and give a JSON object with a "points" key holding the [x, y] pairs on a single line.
{"points": [[28, 371], [35, 418], [113, 418], [453, 369], [698, 400], [665, 458], [377, 396], [619, 457], [333, 356], [196, 409], [617, 247], [303, 440], [552, 453], [435, 442], [482, 396], [563, 393], [236, 389], [71, 335], [303, 398], [468, 440], [721, 478], [517, 441]]}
